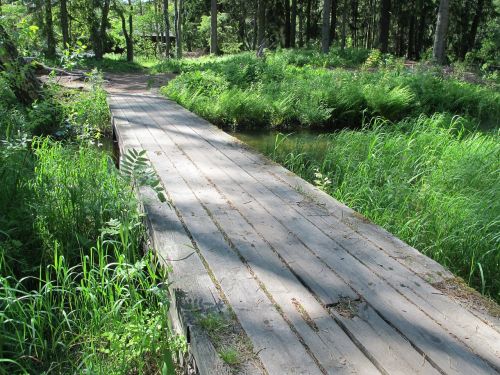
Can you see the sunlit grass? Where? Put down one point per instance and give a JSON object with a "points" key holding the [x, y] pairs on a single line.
{"points": [[277, 92], [424, 180]]}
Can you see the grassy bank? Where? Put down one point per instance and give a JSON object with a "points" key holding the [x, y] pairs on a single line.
{"points": [[436, 188], [77, 293], [283, 91]]}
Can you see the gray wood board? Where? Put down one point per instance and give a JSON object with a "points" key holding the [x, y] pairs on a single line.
{"points": [[249, 201]]}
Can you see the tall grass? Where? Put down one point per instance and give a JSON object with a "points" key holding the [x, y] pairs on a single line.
{"points": [[77, 294], [425, 180], [277, 92]]}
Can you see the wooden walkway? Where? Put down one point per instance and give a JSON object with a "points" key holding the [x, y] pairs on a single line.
{"points": [[315, 287]]}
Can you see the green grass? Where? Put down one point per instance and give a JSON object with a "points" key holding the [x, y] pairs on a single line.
{"points": [[77, 292], [432, 185], [231, 356], [245, 92], [116, 63]]}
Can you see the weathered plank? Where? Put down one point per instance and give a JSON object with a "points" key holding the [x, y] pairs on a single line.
{"points": [[482, 338], [276, 238], [402, 351], [268, 331]]}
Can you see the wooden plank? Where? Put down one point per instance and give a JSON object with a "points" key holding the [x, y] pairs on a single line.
{"points": [[399, 348], [190, 287], [471, 330], [336, 356], [459, 351], [263, 324]]}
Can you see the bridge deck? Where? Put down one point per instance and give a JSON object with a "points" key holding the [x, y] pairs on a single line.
{"points": [[313, 286]]}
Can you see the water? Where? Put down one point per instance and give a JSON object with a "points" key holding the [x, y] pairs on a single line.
{"points": [[265, 141]]}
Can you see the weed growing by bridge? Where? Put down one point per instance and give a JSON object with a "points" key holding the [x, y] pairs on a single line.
{"points": [[77, 294]]}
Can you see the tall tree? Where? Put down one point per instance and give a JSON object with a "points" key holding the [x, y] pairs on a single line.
{"points": [[261, 21], [166, 20], [64, 23], [287, 24], [301, 23], [293, 23], [178, 28], [471, 40], [439, 49], [308, 20], [385, 21], [354, 22], [213, 28], [49, 30], [127, 32], [325, 32], [333, 21]]}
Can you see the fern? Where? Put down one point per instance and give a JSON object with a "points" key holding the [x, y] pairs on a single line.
{"points": [[136, 168]]}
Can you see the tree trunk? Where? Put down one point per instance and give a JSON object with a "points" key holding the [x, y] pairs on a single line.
{"points": [[411, 37], [325, 31], [102, 30], [354, 24], [261, 20], [213, 28], [385, 21], [475, 25], [127, 33], [287, 24], [333, 22], [293, 23], [344, 25], [166, 20], [308, 20], [439, 49], [64, 23], [178, 28], [421, 27], [130, 39], [301, 24], [49, 31], [21, 77]]}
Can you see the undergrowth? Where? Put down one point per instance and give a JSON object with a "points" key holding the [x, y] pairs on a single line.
{"points": [[283, 91], [77, 292]]}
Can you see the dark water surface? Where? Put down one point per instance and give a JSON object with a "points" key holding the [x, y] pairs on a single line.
{"points": [[265, 141]]}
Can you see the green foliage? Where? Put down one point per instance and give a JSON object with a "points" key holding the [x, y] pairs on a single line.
{"points": [[427, 180], [231, 356], [88, 113], [75, 193], [76, 293], [136, 169], [248, 92], [103, 315]]}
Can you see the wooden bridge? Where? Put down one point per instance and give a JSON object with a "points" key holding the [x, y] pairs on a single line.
{"points": [[304, 285]]}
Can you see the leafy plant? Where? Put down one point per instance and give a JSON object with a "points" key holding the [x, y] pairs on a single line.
{"points": [[136, 169]]}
